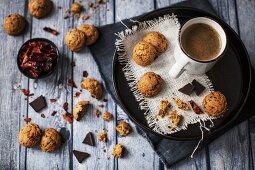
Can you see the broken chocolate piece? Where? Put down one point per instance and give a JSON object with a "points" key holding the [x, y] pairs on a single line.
{"points": [[199, 88], [187, 89], [80, 156], [89, 139], [195, 107], [38, 104]]}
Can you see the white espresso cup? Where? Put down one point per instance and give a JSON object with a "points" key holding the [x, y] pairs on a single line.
{"points": [[184, 62]]}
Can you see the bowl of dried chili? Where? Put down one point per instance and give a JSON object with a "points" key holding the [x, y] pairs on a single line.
{"points": [[37, 58]]}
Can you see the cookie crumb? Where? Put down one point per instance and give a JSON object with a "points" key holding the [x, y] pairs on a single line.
{"points": [[175, 118], [181, 105], [97, 112], [123, 128], [102, 137], [118, 151], [107, 116]]}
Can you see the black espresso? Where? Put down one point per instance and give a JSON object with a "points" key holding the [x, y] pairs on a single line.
{"points": [[201, 42]]}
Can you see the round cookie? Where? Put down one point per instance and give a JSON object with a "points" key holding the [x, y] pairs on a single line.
{"points": [[215, 104], [158, 40], [50, 141], [91, 33], [40, 8], [150, 84], [75, 40], [144, 53], [30, 135], [14, 24], [93, 86]]}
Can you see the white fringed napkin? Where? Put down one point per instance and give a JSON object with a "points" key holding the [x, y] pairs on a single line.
{"points": [[169, 26]]}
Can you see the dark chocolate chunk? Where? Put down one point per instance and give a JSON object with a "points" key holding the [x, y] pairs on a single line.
{"points": [[80, 156], [187, 89], [199, 88], [89, 139], [38, 104]]}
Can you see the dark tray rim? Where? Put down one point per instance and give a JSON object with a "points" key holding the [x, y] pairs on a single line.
{"points": [[216, 130]]}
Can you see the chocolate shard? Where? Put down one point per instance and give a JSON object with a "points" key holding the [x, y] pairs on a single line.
{"points": [[38, 104], [80, 156], [89, 139], [199, 88], [187, 89]]}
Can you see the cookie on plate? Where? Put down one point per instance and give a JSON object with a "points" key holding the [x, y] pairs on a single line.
{"points": [[40, 8], [215, 104], [158, 40], [144, 53], [14, 24], [91, 33], [150, 84]]}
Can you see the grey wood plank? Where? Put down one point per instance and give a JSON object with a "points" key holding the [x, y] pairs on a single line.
{"points": [[11, 107], [246, 18], [230, 151], [144, 158], [54, 86], [99, 159]]}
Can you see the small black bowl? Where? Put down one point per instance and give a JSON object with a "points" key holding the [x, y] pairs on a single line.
{"points": [[26, 73]]}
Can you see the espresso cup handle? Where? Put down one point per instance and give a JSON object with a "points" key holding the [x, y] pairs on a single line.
{"points": [[177, 68]]}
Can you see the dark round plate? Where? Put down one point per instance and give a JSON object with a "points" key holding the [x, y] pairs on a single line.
{"points": [[231, 75]]}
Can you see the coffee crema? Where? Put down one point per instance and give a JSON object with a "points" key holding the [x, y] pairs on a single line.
{"points": [[201, 42]]}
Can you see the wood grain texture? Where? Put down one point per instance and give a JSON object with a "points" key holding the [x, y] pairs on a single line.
{"points": [[54, 86], [11, 108], [230, 151]]}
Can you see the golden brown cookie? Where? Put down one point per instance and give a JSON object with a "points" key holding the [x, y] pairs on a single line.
{"points": [[118, 151], [91, 33], [75, 40], [150, 84], [50, 141], [40, 8], [76, 8], [215, 104], [102, 137], [144, 53], [14, 24], [80, 109], [93, 86], [158, 40], [107, 116], [123, 128], [30, 135]]}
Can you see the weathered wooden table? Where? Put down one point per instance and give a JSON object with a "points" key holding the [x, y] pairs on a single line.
{"points": [[234, 150]]}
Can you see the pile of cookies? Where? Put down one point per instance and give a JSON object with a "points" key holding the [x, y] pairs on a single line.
{"points": [[31, 135]]}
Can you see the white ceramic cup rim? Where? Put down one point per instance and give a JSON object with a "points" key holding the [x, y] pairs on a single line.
{"points": [[215, 25]]}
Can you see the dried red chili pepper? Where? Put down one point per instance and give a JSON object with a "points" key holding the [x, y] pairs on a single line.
{"points": [[26, 92], [50, 30], [195, 107], [27, 119], [68, 117], [71, 83]]}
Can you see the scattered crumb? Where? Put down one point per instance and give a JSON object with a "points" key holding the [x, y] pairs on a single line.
{"points": [[105, 100], [181, 105], [107, 116], [27, 119], [53, 100], [118, 151], [53, 113], [77, 94], [85, 74], [42, 115], [175, 118], [68, 117], [101, 105], [102, 137], [97, 112]]}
